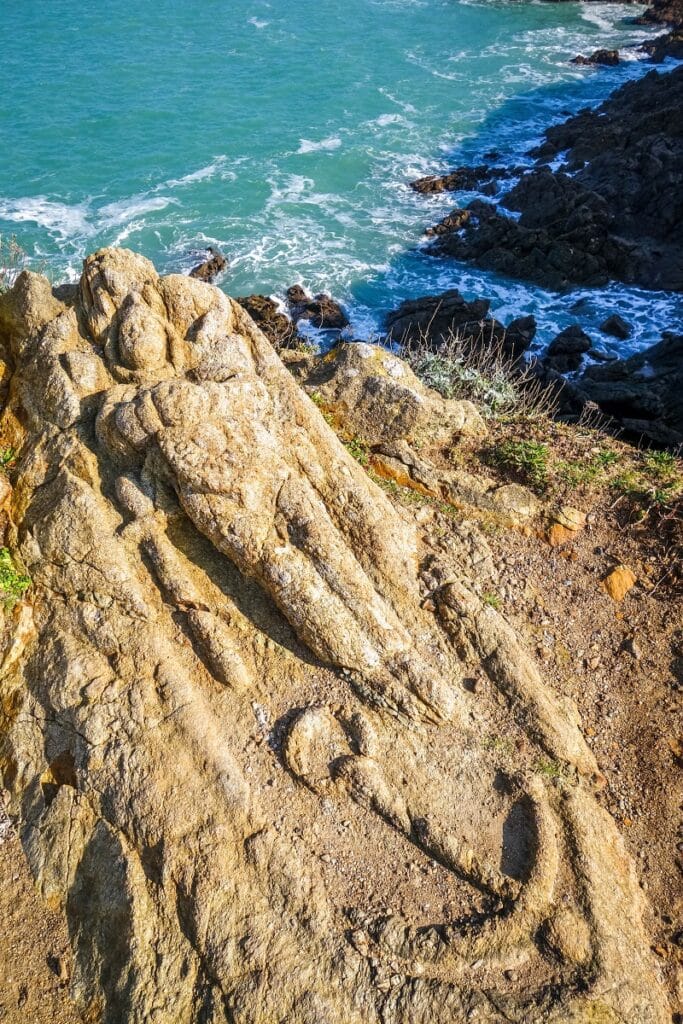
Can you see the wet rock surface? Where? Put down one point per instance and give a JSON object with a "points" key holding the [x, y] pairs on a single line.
{"points": [[211, 268], [322, 311], [606, 58], [642, 393], [278, 328], [613, 212], [436, 319], [565, 352]]}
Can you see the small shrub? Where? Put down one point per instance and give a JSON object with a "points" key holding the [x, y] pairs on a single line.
{"points": [[7, 457], [662, 464], [587, 471], [552, 770], [358, 449], [12, 261], [491, 599], [318, 400], [13, 584], [528, 458], [479, 370]]}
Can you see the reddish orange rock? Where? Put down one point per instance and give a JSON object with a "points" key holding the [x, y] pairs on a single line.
{"points": [[619, 582]]}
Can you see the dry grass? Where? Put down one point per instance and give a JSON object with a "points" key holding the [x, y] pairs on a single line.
{"points": [[480, 370], [13, 260]]}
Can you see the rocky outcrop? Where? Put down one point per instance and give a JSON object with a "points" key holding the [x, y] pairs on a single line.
{"points": [[613, 212], [565, 352], [210, 269], [435, 320], [376, 397], [642, 393], [464, 179], [606, 58], [322, 311], [663, 12], [228, 714], [670, 44], [616, 326], [278, 328]]}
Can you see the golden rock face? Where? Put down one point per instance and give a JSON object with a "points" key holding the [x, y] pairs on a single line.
{"points": [[243, 759]]}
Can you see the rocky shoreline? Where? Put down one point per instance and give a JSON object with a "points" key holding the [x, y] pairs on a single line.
{"points": [[612, 210], [603, 202]]}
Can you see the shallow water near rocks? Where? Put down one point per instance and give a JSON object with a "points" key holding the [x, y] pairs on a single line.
{"points": [[286, 135]]}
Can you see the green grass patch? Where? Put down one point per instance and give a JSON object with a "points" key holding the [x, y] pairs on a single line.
{"points": [[13, 583], [528, 459]]}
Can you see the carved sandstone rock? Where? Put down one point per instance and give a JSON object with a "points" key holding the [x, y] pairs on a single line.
{"points": [[226, 715]]}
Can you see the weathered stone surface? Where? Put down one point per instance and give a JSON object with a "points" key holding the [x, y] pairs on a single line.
{"points": [[226, 664], [377, 397], [619, 582]]}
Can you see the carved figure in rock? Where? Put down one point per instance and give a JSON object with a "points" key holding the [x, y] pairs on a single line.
{"points": [[225, 667]]}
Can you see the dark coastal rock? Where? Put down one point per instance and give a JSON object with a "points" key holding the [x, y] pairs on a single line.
{"points": [[296, 295], [565, 352], [321, 311], [616, 326], [617, 216], [453, 221], [642, 392], [210, 268], [562, 237], [519, 334], [669, 44], [663, 12], [608, 58], [435, 319], [463, 179], [265, 312]]}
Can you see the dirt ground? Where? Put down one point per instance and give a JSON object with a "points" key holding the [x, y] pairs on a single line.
{"points": [[35, 960]]}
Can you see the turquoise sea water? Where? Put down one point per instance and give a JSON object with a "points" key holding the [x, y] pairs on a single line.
{"points": [[285, 133]]}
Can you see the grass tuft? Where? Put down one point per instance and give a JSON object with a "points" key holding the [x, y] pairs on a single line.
{"points": [[13, 583]]}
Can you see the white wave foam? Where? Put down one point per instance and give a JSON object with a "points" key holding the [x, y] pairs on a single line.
{"points": [[386, 119], [306, 146], [258, 23], [215, 167], [60, 219], [125, 210]]}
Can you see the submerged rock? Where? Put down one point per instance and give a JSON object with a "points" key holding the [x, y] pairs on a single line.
{"points": [[210, 268], [227, 707], [608, 58]]}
